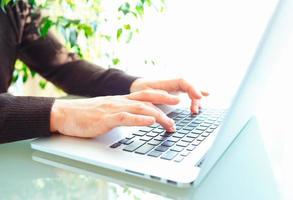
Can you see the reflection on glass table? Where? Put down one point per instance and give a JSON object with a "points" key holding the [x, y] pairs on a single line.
{"points": [[243, 172]]}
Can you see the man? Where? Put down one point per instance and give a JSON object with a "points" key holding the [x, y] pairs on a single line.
{"points": [[29, 117]]}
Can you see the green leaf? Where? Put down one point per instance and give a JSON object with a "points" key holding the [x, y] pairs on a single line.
{"points": [[43, 84], [45, 26], [149, 2], [119, 33], [24, 78], [15, 76], [107, 37], [33, 73], [125, 8], [139, 9], [32, 3], [115, 61], [88, 30], [127, 26], [129, 38], [73, 37]]}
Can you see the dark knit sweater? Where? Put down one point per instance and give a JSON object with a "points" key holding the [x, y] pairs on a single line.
{"points": [[29, 117]]}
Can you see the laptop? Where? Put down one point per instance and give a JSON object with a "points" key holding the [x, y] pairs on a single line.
{"points": [[185, 157]]}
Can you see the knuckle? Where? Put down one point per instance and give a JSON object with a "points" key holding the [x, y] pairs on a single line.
{"points": [[136, 120], [140, 107], [122, 116], [145, 93]]}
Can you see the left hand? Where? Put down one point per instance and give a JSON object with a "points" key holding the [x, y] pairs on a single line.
{"points": [[173, 85]]}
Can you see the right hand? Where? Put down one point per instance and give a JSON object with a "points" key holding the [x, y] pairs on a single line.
{"points": [[96, 116]]}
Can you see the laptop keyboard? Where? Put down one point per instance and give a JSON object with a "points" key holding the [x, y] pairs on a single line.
{"points": [[191, 131]]}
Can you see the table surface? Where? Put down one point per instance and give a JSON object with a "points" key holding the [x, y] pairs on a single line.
{"points": [[243, 172]]}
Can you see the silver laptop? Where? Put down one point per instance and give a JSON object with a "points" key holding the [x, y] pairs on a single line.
{"points": [[185, 157]]}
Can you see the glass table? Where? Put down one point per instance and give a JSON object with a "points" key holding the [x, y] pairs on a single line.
{"points": [[243, 172]]}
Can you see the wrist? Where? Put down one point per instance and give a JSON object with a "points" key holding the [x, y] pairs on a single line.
{"points": [[138, 85], [56, 116]]}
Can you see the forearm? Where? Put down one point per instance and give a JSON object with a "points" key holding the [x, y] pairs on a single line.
{"points": [[75, 76], [24, 117]]}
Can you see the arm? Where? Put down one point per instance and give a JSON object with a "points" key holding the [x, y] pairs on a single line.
{"points": [[48, 57], [24, 117]]}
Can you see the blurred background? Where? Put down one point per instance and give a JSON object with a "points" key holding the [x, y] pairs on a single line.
{"points": [[210, 43]]}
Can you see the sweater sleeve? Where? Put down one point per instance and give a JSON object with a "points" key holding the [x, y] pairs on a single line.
{"points": [[24, 117], [48, 57]]}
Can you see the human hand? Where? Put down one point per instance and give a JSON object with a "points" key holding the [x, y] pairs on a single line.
{"points": [[173, 85], [96, 116]]}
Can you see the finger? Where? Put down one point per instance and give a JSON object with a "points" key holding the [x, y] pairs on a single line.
{"points": [[129, 119], [149, 109], [185, 86], [155, 97], [195, 105], [205, 93]]}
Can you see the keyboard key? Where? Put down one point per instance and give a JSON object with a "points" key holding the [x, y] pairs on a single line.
{"points": [[185, 153], [183, 131], [173, 139], [200, 138], [186, 112], [155, 153], [161, 137], [177, 119], [155, 125], [145, 129], [123, 141], [205, 124], [128, 142], [195, 143], [192, 125], [182, 115], [115, 145], [179, 158], [162, 148], [182, 144], [144, 149], [152, 134], [177, 148], [130, 137], [158, 130], [188, 128], [169, 155], [177, 135], [146, 138], [201, 128], [192, 135], [205, 134], [188, 139], [154, 142], [197, 132], [182, 123], [172, 115], [190, 148], [168, 143], [134, 145], [210, 130], [139, 133], [213, 126]]}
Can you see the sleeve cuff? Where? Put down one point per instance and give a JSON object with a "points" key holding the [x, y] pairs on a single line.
{"points": [[25, 117]]}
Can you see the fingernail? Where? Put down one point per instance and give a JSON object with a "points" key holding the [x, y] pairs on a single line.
{"points": [[172, 129]]}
